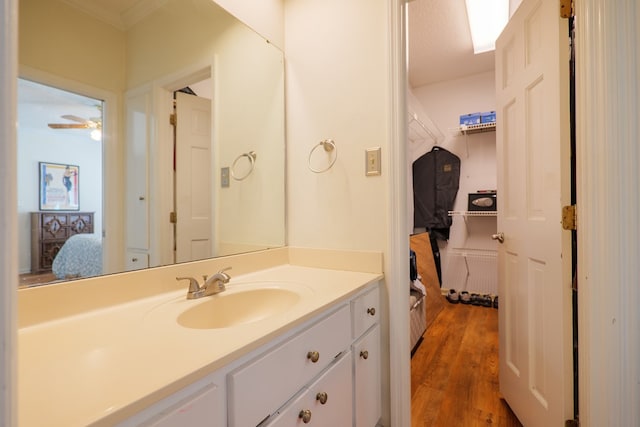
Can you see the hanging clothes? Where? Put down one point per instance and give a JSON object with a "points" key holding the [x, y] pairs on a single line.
{"points": [[436, 178]]}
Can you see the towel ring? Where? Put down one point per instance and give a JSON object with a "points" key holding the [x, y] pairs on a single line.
{"points": [[328, 146], [251, 155]]}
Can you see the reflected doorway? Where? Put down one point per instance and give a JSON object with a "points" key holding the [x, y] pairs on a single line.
{"points": [[57, 128]]}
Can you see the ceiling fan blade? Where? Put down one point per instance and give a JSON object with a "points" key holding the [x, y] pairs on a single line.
{"points": [[74, 118], [68, 126]]}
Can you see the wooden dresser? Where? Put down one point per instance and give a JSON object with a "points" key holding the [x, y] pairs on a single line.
{"points": [[49, 231]]}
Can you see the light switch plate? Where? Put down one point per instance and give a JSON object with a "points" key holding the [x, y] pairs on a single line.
{"points": [[373, 161], [224, 177]]}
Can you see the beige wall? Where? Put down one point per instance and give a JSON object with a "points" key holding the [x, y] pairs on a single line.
{"points": [[265, 16], [337, 87], [60, 40], [248, 80]]}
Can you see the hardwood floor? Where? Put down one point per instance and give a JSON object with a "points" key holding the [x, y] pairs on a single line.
{"points": [[27, 280], [454, 372]]}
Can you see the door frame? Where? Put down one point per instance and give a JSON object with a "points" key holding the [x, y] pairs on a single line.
{"points": [[608, 201]]}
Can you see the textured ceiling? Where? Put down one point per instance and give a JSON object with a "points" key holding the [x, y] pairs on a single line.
{"points": [[440, 43]]}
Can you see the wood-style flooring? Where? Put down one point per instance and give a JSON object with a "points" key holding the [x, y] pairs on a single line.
{"points": [[27, 280], [454, 372]]}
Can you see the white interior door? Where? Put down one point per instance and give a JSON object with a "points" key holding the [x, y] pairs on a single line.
{"points": [[193, 178], [534, 262]]}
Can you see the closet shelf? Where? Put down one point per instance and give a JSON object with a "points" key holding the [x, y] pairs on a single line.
{"points": [[480, 127], [423, 129], [473, 213]]}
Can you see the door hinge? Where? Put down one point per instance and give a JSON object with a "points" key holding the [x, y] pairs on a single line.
{"points": [[566, 8], [173, 218], [569, 217], [572, 423], [173, 119]]}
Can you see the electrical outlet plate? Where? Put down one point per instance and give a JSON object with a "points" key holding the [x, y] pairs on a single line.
{"points": [[373, 161]]}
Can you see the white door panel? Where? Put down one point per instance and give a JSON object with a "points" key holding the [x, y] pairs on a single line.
{"points": [[193, 178], [532, 67]]}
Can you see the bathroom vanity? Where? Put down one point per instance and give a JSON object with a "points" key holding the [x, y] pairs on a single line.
{"points": [[282, 345]]}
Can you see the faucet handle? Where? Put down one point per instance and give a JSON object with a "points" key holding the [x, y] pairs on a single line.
{"points": [[194, 286]]}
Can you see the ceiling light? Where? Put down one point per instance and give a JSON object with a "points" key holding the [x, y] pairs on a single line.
{"points": [[96, 134], [487, 18]]}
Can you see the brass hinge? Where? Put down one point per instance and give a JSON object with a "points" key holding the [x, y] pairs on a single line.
{"points": [[569, 218], [173, 218], [566, 8], [173, 119], [572, 423]]}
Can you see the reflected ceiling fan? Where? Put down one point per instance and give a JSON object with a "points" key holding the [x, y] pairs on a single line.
{"points": [[94, 123]]}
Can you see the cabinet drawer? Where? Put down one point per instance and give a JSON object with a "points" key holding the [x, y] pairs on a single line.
{"points": [[366, 355], [259, 388], [334, 388], [365, 311]]}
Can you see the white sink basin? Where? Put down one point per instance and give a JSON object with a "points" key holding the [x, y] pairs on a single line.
{"points": [[224, 310], [240, 304]]}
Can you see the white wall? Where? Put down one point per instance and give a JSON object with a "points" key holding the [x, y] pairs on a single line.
{"points": [[337, 80], [338, 87], [444, 102]]}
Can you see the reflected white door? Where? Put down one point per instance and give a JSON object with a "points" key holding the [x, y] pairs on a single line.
{"points": [[193, 178], [534, 262]]}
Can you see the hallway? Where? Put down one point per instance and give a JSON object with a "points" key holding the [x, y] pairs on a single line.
{"points": [[454, 372]]}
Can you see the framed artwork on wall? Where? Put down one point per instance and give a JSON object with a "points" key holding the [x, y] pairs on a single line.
{"points": [[59, 187]]}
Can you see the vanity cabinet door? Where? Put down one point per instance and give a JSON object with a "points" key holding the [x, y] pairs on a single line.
{"points": [[259, 388], [197, 411], [365, 311], [198, 405], [366, 355], [326, 402]]}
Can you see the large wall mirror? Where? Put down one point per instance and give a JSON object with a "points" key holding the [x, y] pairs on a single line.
{"points": [[150, 132]]}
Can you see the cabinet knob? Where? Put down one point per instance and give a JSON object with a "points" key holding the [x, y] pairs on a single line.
{"points": [[322, 397], [364, 354], [314, 356], [141, 198], [134, 259], [305, 415], [371, 311]]}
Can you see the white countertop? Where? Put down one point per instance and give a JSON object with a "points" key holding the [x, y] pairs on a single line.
{"points": [[105, 365]]}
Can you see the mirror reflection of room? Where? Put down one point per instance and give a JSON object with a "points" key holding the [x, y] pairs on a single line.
{"points": [[137, 61], [59, 182]]}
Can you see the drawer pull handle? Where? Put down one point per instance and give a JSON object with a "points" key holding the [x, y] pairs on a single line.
{"points": [[314, 356], [364, 354], [305, 415], [322, 397], [371, 311]]}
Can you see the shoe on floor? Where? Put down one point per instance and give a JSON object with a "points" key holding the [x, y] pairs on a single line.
{"points": [[476, 299], [465, 298], [495, 302], [486, 300], [453, 297]]}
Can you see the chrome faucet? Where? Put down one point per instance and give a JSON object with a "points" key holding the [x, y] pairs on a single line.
{"points": [[211, 286]]}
